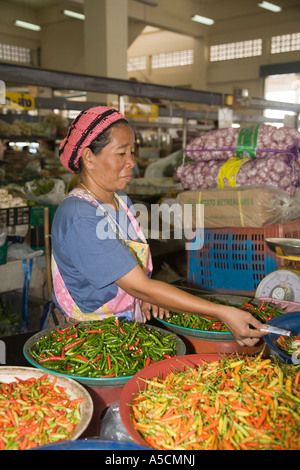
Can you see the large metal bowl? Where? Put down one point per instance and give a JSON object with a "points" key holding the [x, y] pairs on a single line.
{"points": [[234, 300], [73, 389], [93, 381], [288, 321], [284, 246]]}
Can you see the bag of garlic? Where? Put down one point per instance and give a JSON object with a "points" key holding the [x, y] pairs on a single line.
{"points": [[258, 141], [278, 171]]}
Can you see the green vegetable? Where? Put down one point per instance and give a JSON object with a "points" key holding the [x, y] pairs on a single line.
{"points": [[289, 344], [196, 322], [107, 348], [43, 186], [9, 320]]}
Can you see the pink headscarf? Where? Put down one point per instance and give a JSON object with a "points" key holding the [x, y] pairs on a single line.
{"points": [[83, 130]]}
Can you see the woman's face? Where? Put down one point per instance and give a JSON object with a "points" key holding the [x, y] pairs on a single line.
{"points": [[113, 166]]}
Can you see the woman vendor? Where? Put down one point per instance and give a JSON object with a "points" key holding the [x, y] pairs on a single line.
{"points": [[101, 264]]}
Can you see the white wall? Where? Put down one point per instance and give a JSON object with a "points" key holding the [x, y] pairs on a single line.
{"points": [[215, 76]]}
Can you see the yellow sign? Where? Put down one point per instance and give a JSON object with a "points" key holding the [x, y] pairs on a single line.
{"points": [[141, 110], [19, 101], [138, 109]]}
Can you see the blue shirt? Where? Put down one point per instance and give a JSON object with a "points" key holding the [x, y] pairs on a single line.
{"points": [[88, 254]]}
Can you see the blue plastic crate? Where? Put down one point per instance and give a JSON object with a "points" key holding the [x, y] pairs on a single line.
{"points": [[235, 260]]}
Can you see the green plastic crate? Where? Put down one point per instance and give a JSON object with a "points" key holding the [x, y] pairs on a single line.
{"points": [[37, 215], [3, 254]]}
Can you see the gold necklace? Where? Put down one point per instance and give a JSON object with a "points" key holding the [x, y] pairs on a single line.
{"points": [[116, 207]]}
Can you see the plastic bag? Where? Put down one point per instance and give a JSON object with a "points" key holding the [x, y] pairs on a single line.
{"points": [[273, 171], [258, 141], [53, 197], [164, 166], [112, 428], [22, 251]]}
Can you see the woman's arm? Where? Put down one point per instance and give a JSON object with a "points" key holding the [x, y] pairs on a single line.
{"points": [[168, 297]]}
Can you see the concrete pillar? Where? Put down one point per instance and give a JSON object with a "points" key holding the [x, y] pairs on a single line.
{"points": [[106, 41], [200, 65]]}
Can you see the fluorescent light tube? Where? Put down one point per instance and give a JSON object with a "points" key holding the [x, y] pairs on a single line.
{"points": [[74, 14], [24, 24], [202, 19], [147, 2], [270, 6]]}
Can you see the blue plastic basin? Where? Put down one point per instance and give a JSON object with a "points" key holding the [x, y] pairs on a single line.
{"points": [[289, 321], [91, 444]]}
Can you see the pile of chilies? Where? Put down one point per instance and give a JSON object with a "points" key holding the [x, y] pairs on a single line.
{"points": [[103, 349], [289, 344], [231, 404], [34, 412], [263, 313]]}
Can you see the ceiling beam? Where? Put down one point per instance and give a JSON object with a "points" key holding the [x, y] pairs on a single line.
{"points": [[64, 80]]}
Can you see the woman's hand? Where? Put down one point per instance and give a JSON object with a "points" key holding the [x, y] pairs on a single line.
{"points": [[238, 322], [149, 309], [154, 292]]}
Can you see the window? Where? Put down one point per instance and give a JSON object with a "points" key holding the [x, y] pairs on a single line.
{"points": [[136, 63], [236, 50], [172, 59], [285, 43], [285, 88], [15, 53]]}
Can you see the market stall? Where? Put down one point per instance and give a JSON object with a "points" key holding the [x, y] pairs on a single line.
{"points": [[227, 396]]}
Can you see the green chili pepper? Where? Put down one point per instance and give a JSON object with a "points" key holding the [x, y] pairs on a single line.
{"points": [[263, 312], [102, 348]]}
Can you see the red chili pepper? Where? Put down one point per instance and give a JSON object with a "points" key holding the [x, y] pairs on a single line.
{"points": [[75, 401], [74, 335], [147, 362], [26, 431], [73, 344], [108, 361], [96, 358], [84, 359], [51, 358], [95, 331], [11, 417], [249, 306], [261, 306]]}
